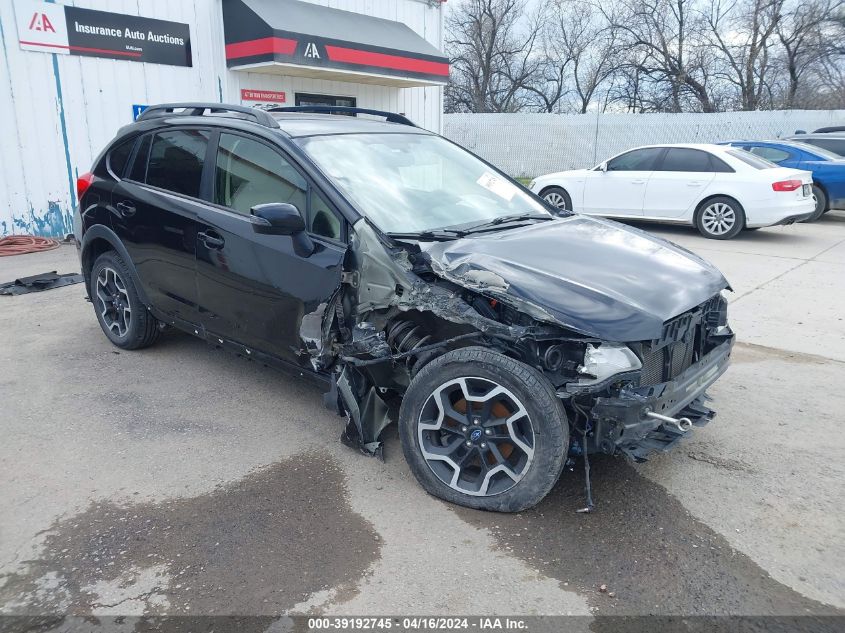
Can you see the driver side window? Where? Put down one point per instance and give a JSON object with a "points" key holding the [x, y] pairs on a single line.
{"points": [[249, 173], [636, 160]]}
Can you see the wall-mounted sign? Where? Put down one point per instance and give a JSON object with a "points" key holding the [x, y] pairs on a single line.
{"points": [[137, 110], [56, 28], [275, 34], [272, 96]]}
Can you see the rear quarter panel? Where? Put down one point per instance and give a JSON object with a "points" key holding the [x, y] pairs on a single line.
{"points": [[831, 176]]}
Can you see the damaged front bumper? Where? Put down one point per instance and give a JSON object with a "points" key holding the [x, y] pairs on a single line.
{"points": [[622, 423]]}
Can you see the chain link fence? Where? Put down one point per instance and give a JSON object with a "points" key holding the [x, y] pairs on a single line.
{"points": [[528, 145]]}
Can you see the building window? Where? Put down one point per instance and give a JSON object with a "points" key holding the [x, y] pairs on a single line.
{"points": [[305, 99]]}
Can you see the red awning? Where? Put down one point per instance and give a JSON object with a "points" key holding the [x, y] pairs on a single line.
{"points": [[299, 38]]}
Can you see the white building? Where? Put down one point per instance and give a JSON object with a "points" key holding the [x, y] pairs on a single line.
{"points": [[74, 71]]}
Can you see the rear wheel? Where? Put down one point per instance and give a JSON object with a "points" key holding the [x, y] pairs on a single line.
{"points": [[484, 431], [720, 218], [558, 198], [821, 204], [124, 319]]}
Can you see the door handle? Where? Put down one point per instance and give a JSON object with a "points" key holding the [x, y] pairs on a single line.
{"points": [[638, 182], [211, 240], [694, 184], [125, 209]]}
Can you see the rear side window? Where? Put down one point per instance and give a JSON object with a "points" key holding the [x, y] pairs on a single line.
{"points": [[684, 159], [138, 172], [720, 166], [770, 153], [636, 160], [176, 161], [119, 158]]}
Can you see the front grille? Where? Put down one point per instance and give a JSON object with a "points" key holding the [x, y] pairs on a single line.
{"points": [[652, 372], [668, 362], [668, 357], [681, 357]]}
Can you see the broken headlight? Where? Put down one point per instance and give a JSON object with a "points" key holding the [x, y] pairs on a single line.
{"points": [[609, 359]]}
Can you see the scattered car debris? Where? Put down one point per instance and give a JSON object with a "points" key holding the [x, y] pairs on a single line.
{"points": [[37, 283]]}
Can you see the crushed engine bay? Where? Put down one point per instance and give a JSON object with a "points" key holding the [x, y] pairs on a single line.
{"points": [[624, 355]]}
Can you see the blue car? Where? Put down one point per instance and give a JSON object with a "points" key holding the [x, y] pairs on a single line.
{"points": [[828, 169]]}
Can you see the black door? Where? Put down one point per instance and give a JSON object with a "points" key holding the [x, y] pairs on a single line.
{"points": [[156, 210], [255, 289]]}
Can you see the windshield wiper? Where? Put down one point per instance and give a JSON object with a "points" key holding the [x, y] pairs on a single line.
{"points": [[430, 234], [446, 233], [517, 217]]}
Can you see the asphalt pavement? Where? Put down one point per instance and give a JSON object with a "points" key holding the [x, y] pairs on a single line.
{"points": [[182, 479]]}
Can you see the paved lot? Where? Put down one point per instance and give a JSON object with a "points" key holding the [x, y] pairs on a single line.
{"points": [[182, 479]]}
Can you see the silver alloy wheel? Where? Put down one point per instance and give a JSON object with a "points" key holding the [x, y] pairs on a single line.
{"points": [[718, 218], [476, 436], [114, 305], [556, 200]]}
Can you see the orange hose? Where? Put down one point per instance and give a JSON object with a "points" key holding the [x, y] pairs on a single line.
{"points": [[20, 244]]}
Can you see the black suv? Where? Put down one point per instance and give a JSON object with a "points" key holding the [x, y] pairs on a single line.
{"points": [[396, 267]]}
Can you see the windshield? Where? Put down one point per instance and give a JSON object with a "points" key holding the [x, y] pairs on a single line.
{"points": [[408, 183]]}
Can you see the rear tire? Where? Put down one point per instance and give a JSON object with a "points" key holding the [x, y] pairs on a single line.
{"points": [[720, 218], [558, 198], [125, 320], [821, 204], [483, 431]]}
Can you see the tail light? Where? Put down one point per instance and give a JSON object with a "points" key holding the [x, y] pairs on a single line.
{"points": [[786, 185], [82, 184]]}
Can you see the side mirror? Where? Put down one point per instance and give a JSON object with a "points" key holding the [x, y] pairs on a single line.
{"points": [[281, 218], [603, 167], [277, 218]]}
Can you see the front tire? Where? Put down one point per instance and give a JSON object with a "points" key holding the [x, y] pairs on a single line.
{"points": [[125, 320], [558, 197], [720, 218], [484, 431], [821, 204]]}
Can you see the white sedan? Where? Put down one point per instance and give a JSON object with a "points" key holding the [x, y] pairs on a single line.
{"points": [[718, 189]]}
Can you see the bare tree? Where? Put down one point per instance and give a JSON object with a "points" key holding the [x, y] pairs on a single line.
{"points": [[743, 32], [494, 56], [582, 47], [823, 83], [802, 39], [666, 31], [645, 55]]}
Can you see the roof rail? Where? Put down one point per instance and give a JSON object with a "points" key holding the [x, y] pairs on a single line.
{"points": [[391, 117], [200, 109]]}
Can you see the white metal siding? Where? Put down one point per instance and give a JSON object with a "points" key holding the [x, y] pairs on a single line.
{"points": [[38, 166]]}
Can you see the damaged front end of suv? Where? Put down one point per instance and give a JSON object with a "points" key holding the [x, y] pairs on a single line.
{"points": [[630, 374]]}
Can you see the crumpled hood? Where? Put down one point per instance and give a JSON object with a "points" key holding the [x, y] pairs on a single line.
{"points": [[588, 274]]}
